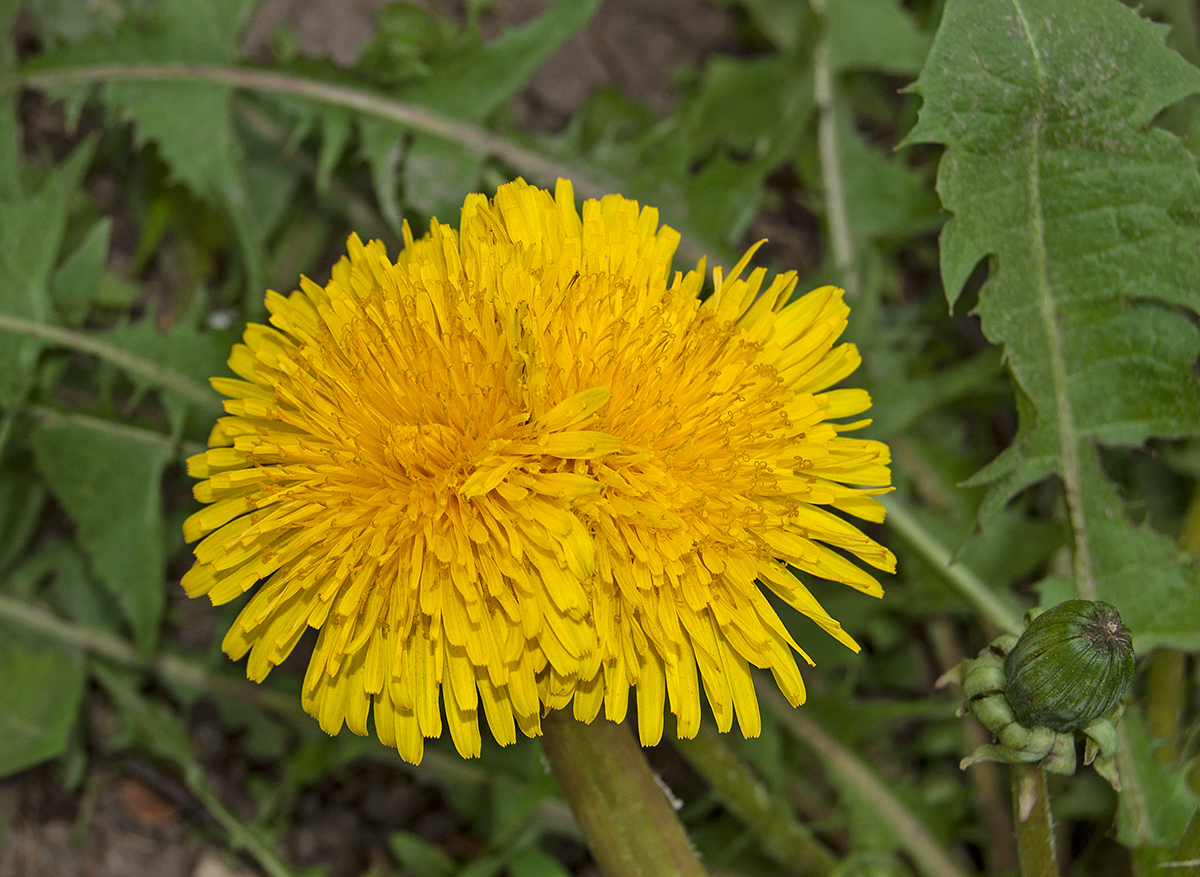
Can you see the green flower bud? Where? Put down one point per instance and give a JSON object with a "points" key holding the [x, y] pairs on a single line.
{"points": [[1072, 664]]}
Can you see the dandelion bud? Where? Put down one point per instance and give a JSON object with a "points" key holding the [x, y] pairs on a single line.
{"points": [[1070, 666]]}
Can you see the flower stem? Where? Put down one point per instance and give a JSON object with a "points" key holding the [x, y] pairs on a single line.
{"points": [[837, 215], [1166, 691], [907, 526], [180, 670], [986, 776], [629, 824], [85, 343], [1166, 696], [1035, 833], [911, 833], [767, 815]]}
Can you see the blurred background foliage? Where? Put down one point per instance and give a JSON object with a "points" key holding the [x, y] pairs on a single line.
{"points": [[159, 169]]}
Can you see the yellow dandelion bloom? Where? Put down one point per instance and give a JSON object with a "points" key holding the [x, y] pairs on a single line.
{"points": [[525, 466]]}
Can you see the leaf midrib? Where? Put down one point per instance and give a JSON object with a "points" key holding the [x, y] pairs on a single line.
{"points": [[1067, 436]]}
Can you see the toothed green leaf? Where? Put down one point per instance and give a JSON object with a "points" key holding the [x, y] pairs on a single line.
{"points": [[1087, 218], [1157, 801], [39, 698], [874, 35], [31, 232], [110, 485], [471, 86]]}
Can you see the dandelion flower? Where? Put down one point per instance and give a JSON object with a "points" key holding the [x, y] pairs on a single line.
{"points": [[525, 467]]}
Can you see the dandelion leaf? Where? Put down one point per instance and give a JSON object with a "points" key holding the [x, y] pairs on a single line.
{"points": [[110, 485], [884, 197], [76, 283], [875, 35], [1087, 218], [335, 136], [183, 353], [743, 118], [40, 694], [746, 117], [483, 77], [381, 144], [31, 233], [10, 133], [22, 498], [190, 124], [1157, 802], [471, 85]]}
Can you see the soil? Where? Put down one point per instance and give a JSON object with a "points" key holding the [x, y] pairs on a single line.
{"points": [[128, 818]]}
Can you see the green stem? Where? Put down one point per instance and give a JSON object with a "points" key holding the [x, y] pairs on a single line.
{"points": [[447, 770], [1166, 688], [910, 832], [630, 826], [1166, 695], [985, 777], [55, 417], [836, 212], [134, 364], [533, 164], [1035, 832], [765, 814], [906, 525], [410, 115]]}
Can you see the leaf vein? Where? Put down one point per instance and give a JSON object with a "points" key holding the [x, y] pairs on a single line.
{"points": [[1072, 487]]}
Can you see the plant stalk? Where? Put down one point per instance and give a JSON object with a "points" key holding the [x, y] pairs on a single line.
{"points": [[907, 526], [986, 778], [912, 834], [768, 817], [85, 343], [1166, 697], [531, 162], [1166, 688], [630, 826], [1035, 831]]}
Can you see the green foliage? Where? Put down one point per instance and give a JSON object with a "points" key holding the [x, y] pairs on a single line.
{"points": [[1156, 808], [132, 256], [21, 499], [39, 697], [76, 284], [186, 357], [472, 85], [168, 114], [744, 117], [110, 484], [1089, 220], [875, 35], [10, 162], [419, 856], [31, 231]]}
